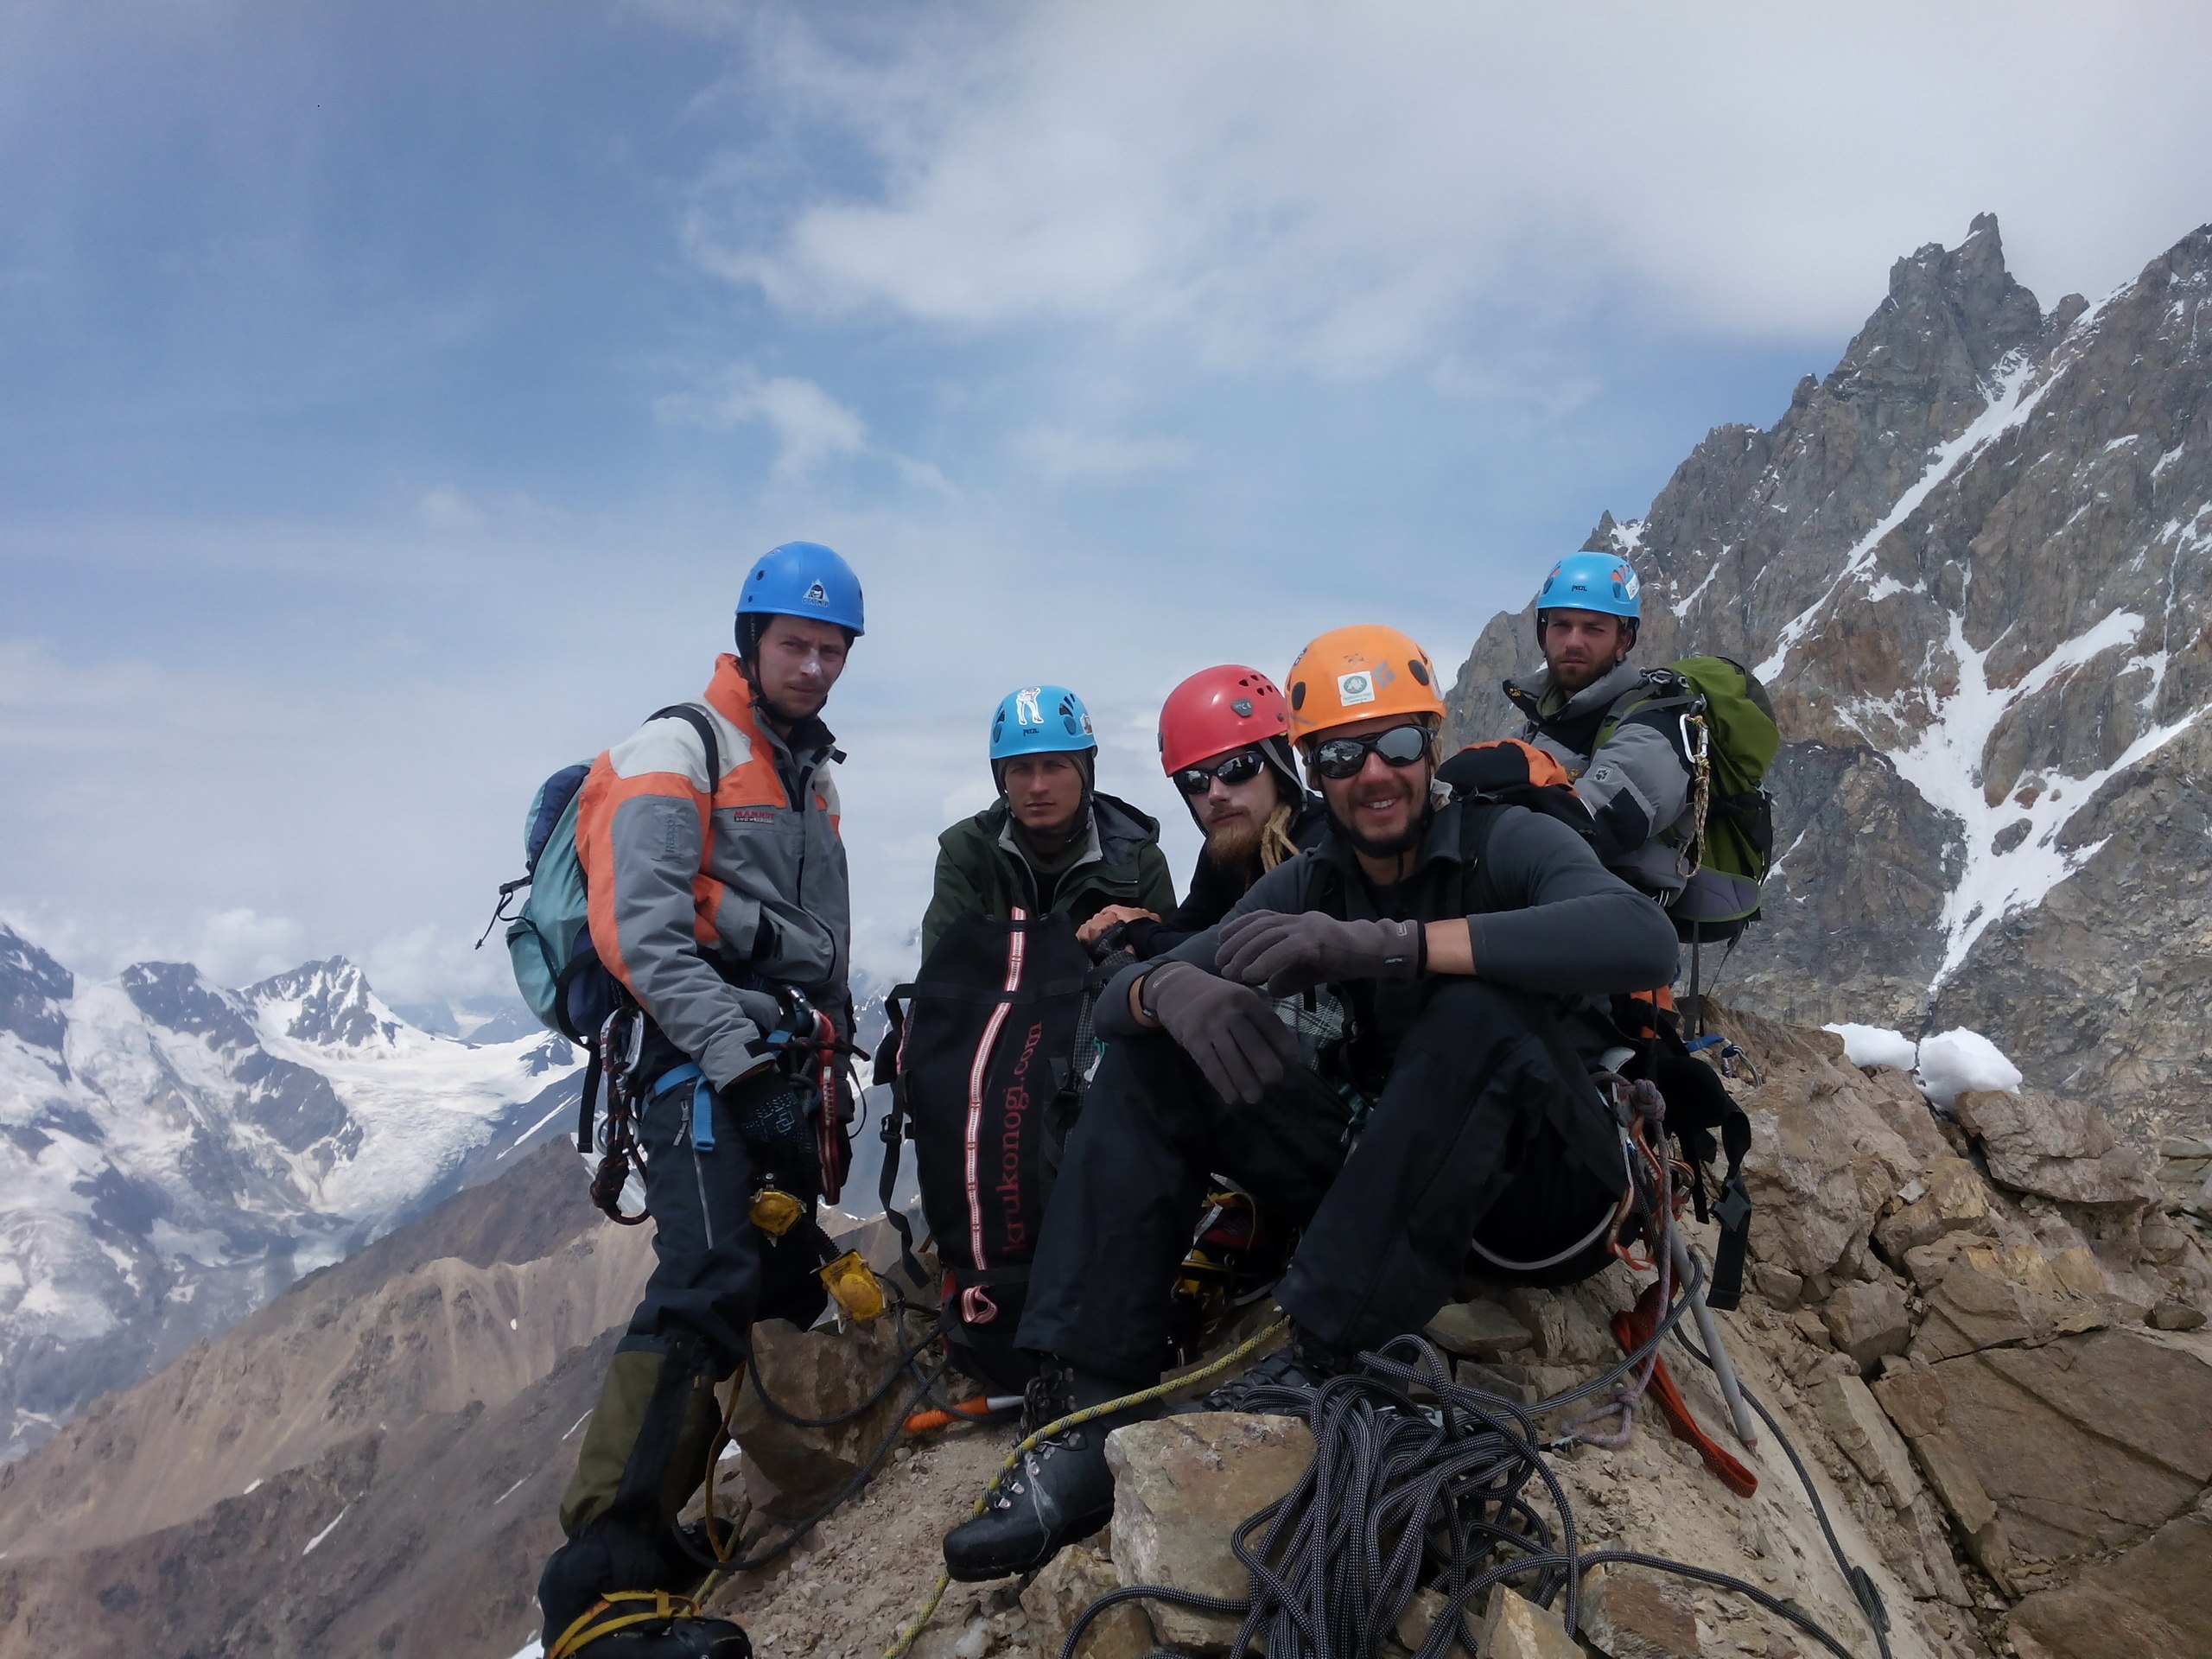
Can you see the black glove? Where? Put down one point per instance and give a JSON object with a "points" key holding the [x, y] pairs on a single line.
{"points": [[1292, 953], [1232, 1034], [771, 1112]]}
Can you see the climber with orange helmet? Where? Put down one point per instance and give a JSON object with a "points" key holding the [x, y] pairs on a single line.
{"points": [[1387, 1043], [1225, 743]]}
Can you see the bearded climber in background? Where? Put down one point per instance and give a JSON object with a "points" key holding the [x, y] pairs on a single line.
{"points": [[1225, 743]]}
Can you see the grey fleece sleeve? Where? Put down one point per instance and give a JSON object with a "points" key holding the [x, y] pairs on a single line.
{"points": [[1281, 888], [1634, 785], [1579, 929]]}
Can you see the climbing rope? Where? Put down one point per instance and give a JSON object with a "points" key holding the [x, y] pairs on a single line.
{"points": [[1413, 1471]]}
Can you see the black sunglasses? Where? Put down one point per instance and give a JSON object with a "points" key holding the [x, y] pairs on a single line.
{"points": [[1241, 767], [1341, 757]]}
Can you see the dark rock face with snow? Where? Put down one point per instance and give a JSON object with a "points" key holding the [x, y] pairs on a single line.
{"points": [[173, 1153], [1974, 565]]}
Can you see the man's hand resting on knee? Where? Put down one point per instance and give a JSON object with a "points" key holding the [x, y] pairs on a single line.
{"points": [[1230, 1029], [1289, 953]]}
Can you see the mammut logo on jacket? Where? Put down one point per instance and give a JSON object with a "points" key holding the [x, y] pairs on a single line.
{"points": [[1016, 1107]]}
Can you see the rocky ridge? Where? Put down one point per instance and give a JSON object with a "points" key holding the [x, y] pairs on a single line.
{"points": [[173, 1153], [1987, 1334], [1973, 564]]}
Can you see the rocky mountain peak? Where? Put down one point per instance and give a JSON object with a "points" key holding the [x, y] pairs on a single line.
{"points": [[177, 996], [1973, 564], [33, 989], [326, 1003], [1944, 297]]}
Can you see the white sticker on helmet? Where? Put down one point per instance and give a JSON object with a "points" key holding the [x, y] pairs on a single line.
{"points": [[1355, 687]]}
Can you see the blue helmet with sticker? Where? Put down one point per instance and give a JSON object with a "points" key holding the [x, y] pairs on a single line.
{"points": [[1040, 720], [1603, 582], [802, 579]]}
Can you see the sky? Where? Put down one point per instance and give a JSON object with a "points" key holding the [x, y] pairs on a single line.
{"points": [[393, 395]]}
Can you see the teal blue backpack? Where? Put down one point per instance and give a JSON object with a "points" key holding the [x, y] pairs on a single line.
{"points": [[556, 968]]}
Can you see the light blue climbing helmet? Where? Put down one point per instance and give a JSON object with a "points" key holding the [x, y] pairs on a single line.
{"points": [[1603, 582], [802, 579], [1040, 720]]}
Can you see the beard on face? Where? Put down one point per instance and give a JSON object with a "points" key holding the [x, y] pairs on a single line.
{"points": [[1236, 840], [1386, 846]]}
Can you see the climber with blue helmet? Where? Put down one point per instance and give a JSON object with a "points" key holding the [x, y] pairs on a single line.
{"points": [[1627, 764], [718, 909], [1051, 843]]}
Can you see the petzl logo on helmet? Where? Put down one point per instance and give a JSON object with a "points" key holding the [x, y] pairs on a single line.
{"points": [[816, 594], [1241, 708], [1025, 708], [1354, 688]]}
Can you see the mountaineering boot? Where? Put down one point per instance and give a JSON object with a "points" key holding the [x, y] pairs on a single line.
{"points": [[672, 1638], [1060, 1491], [613, 1551], [1282, 1381]]}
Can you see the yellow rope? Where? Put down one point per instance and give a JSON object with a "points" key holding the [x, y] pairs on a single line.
{"points": [[581, 1632], [923, 1614]]}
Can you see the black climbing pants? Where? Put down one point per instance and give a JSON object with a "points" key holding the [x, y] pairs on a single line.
{"points": [[1488, 1111], [646, 1450]]}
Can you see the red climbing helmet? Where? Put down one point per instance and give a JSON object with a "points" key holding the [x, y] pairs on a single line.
{"points": [[1218, 709]]}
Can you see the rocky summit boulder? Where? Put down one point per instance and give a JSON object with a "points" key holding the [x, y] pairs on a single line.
{"points": [[2057, 1148]]}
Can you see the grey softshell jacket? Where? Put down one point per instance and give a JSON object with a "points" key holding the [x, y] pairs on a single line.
{"points": [[693, 936], [1636, 783]]}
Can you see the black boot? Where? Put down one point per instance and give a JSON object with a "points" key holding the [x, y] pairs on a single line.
{"points": [[1283, 1383], [662, 1638], [1062, 1489], [611, 1556]]}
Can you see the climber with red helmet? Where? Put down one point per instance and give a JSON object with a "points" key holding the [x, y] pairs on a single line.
{"points": [[1387, 1043], [1225, 743]]}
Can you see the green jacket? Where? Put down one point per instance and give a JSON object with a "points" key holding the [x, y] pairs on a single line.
{"points": [[980, 871]]}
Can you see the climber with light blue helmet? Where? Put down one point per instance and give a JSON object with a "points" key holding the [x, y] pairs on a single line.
{"points": [[1616, 730], [717, 946], [1051, 843]]}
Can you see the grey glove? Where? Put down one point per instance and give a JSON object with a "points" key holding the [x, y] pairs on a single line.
{"points": [[1292, 953], [1234, 1037]]}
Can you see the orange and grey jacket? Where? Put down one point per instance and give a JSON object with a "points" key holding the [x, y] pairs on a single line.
{"points": [[696, 937]]}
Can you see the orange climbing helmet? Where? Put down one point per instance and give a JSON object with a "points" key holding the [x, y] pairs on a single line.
{"points": [[1357, 673]]}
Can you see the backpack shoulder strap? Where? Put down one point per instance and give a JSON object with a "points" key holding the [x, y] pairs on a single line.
{"points": [[888, 1074], [1477, 819], [700, 722], [1660, 691]]}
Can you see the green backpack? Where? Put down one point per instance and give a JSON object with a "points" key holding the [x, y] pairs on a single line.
{"points": [[1728, 736]]}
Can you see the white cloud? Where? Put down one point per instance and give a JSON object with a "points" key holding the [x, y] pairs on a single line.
{"points": [[1063, 456], [810, 426], [1337, 185], [449, 509]]}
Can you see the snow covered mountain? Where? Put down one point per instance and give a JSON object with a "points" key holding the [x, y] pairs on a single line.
{"points": [[1974, 565], [173, 1153]]}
